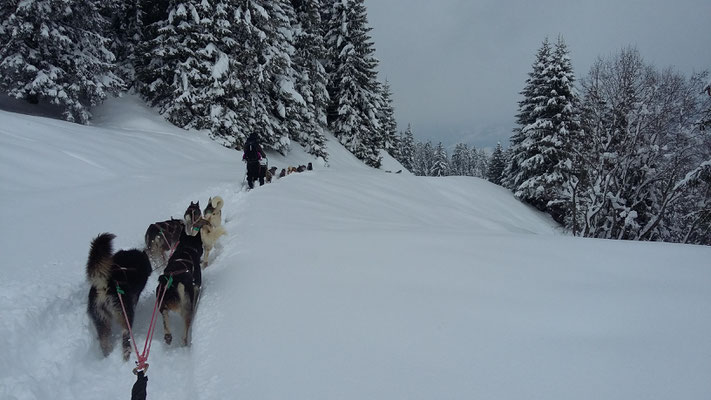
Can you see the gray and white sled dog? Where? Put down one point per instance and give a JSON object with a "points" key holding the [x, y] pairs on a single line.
{"points": [[213, 230], [162, 237], [107, 271]]}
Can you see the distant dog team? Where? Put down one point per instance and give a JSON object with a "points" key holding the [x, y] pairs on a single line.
{"points": [[290, 170]]}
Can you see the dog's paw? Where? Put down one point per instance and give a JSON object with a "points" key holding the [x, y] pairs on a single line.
{"points": [[168, 338]]}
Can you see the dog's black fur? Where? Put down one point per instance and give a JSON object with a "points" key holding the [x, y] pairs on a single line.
{"points": [[129, 269], [184, 267]]}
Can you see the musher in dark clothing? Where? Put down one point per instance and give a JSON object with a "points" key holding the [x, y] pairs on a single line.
{"points": [[253, 155]]}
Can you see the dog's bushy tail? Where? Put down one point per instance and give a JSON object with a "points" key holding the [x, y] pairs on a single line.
{"points": [[217, 203], [98, 267]]}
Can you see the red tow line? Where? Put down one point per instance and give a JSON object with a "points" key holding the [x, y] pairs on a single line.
{"points": [[141, 364]]}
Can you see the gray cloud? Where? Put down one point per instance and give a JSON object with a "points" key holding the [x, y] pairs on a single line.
{"points": [[456, 67]]}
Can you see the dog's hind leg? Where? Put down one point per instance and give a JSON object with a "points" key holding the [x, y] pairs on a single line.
{"points": [[205, 255], [102, 321], [187, 312], [166, 327], [187, 308], [104, 330], [125, 333]]}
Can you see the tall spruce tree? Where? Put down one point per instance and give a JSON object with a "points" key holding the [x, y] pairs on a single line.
{"points": [[406, 154], [440, 164], [424, 158], [249, 78], [224, 120], [226, 66], [310, 77], [57, 51], [547, 116], [461, 160], [288, 107], [388, 126], [353, 86], [564, 108], [126, 19], [478, 162], [497, 163], [178, 68], [532, 92]]}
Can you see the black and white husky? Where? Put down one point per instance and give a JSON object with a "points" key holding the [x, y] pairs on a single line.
{"points": [[106, 272], [184, 274]]}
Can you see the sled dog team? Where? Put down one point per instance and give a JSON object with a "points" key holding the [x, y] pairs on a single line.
{"points": [[271, 173], [179, 247]]}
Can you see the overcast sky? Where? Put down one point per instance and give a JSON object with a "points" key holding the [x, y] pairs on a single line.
{"points": [[456, 67]]}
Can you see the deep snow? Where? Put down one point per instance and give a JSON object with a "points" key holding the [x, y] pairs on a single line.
{"points": [[340, 283]]}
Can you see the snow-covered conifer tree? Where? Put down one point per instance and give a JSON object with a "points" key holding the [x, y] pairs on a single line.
{"points": [[310, 76], [353, 86], [440, 165], [461, 160], [125, 34], [565, 110], [497, 163], [541, 146], [532, 92], [179, 68], [289, 109], [388, 126], [482, 163], [56, 51], [478, 164], [406, 154], [424, 158]]}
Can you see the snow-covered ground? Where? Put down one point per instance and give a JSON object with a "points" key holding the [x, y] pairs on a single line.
{"points": [[340, 283]]}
